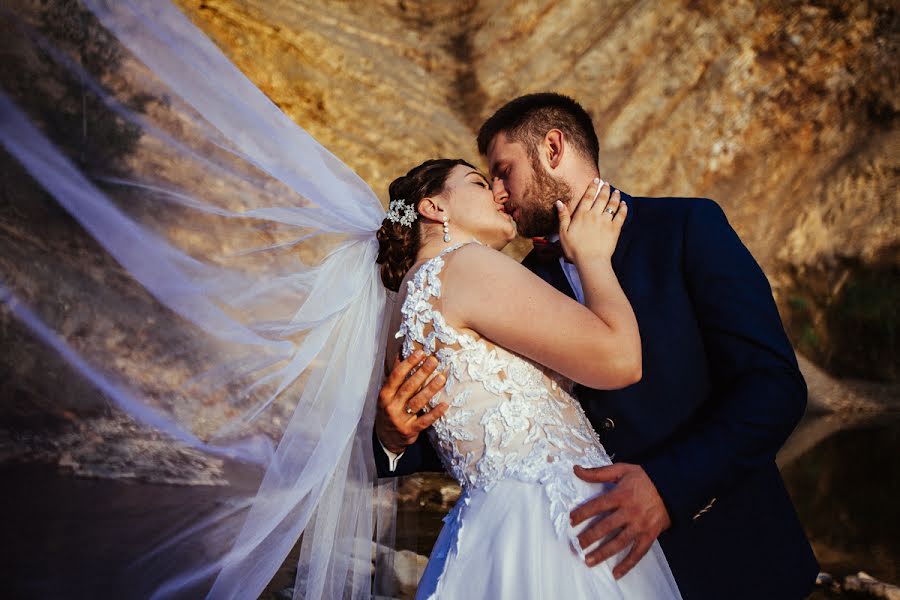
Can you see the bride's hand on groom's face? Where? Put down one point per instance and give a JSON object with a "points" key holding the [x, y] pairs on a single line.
{"points": [[589, 226], [631, 513], [399, 419]]}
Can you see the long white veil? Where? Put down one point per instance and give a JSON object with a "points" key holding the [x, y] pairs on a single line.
{"points": [[227, 293]]}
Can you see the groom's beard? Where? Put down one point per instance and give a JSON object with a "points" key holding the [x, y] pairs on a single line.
{"points": [[538, 216]]}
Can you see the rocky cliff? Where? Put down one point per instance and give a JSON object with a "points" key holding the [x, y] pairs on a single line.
{"points": [[785, 112]]}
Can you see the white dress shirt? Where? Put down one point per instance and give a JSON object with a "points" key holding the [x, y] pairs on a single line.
{"points": [[393, 459], [571, 272]]}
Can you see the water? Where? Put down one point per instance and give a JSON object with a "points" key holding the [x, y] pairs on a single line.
{"points": [[847, 493], [843, 475], [61, 531]]}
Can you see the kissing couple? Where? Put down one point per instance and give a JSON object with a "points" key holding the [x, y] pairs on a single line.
{"points": [[639, 329]]}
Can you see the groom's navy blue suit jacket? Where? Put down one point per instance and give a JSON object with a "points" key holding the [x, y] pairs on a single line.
{"points": [[720, 393]]}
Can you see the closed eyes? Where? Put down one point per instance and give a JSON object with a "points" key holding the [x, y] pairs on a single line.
{"points": [[480, 180]]}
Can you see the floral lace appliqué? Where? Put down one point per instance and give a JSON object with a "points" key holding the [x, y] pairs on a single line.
{"points": [[507, 417]]}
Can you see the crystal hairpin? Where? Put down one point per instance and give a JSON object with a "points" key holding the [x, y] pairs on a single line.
{"points": [[401, 212]]}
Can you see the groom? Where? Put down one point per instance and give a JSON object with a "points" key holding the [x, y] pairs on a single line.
{"points": [[695, 440]]}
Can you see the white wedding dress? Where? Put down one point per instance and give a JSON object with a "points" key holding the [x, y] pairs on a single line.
{"points": [[511, 437]]}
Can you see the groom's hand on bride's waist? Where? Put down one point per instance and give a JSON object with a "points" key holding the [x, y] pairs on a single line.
{"points": [[403, 402], [632, 512]]}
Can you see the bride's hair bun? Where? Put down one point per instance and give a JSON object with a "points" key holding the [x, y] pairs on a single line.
{"points": [[399, 244]]}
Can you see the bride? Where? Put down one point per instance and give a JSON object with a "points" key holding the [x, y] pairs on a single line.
{"points": [[218, 286], [510, 346]]}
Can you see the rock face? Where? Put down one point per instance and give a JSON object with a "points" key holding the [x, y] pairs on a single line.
{"points": [[783, 112], [113, 447]]}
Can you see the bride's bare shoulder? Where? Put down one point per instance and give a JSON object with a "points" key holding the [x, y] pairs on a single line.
{"points": [[476, 275], [477, 260]]}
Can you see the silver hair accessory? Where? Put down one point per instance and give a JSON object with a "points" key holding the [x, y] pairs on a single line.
{"points": [[401, 212]]}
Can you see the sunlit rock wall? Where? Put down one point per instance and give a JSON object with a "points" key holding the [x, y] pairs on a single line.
{"points": [[783, 112]]}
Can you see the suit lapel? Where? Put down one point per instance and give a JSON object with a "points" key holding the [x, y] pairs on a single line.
{"points": [[627, 233], [550, 271]]}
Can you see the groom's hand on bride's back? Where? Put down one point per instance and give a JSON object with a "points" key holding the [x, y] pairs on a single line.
{"points": [[402, 412], [630, 513]]}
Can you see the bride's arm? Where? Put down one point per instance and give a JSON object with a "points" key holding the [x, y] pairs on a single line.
{"points": [[589, 235], [597, 345]]}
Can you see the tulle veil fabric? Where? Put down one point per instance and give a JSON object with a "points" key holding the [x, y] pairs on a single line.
{"points": [[254, 247]]}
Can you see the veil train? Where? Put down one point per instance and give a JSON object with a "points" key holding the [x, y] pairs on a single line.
{"points": [[212, 277]]}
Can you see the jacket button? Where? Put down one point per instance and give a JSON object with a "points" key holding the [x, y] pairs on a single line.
{"points": [[608, 424]]}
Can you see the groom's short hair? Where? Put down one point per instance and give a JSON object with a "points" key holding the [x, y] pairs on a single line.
{"points": [[527, 119]]}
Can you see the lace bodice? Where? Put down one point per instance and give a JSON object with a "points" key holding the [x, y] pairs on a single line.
{"points": [[508, 416]]}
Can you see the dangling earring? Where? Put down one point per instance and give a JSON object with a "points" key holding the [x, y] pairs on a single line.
{"points": [[446, 230]]}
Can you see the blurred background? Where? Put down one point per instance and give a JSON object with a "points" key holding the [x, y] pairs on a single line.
{"points": [[784, 112]]}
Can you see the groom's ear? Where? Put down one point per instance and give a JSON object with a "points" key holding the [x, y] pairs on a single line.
{"points": [[554, 147]]}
